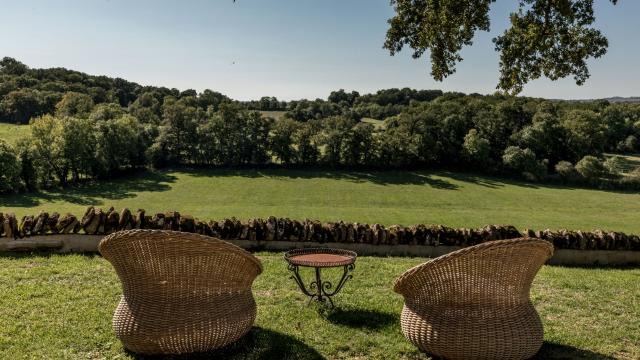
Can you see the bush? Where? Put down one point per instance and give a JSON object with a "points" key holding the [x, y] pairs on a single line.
{"points": [[630, 144], [614, 165], [566, 170], [591, 167]]}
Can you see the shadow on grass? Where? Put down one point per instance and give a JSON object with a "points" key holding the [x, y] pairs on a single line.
{"points": [[399, 177], [551, 350], [369, 319], [93, 193], [259, 343], [437, 179]]}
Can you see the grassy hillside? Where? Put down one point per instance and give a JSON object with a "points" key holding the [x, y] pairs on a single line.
{"points": [[273, 114], [385, 197], [11, 133]]}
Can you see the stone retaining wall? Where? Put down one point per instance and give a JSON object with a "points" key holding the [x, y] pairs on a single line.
{"points": [[96, 221], [67, 243]]}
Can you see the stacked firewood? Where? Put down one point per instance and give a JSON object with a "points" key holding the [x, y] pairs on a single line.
{"points": [[96, 221]]}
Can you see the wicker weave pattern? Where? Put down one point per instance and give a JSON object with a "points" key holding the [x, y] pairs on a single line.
{"points": [[182, 292], [474, 303]]}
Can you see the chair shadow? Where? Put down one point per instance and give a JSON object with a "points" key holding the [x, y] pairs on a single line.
{"points": [[551, 350], [369, 319], [259, 343]]}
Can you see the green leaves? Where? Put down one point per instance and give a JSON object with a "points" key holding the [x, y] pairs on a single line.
{"points": [[441, 26], [550, 38]]}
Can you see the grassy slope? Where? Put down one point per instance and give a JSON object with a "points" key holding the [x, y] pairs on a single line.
{"points": [[12, 133], [277, 115], [630, 162], [385, 197], [60, 306]]}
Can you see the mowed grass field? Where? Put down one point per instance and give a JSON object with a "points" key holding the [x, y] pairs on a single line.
{"points": [[60, 307], [11, 133], [387, 197]]}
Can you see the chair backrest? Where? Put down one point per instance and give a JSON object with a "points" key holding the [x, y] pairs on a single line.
{"points": [[169, 263], [497, 272]]}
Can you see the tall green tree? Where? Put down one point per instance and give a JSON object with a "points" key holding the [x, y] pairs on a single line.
{"points": [[281, 140]]}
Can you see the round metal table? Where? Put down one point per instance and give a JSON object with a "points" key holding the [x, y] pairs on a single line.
{"points": [[319, 258]]}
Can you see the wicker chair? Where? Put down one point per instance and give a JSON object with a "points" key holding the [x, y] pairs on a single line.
{"points": [[474, 303], [182, 292]]}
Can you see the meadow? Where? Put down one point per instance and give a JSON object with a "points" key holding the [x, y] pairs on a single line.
{"points": [[11, 133], [386, 197], [60, 307]]}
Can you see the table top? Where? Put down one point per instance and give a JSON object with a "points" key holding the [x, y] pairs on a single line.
{"points": [[320, 257]]}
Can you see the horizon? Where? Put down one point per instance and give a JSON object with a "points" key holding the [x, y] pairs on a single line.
{"points": [[166, 44]]}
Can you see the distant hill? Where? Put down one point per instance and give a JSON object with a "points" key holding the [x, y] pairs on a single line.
{"points": [[634, 99], [614, 99]]}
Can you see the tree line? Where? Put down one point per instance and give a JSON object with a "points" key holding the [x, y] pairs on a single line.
{"points": [[540, 140]]}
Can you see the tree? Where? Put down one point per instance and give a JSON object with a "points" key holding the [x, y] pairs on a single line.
{"points": [[476, 148], [43, 135], [553, 38], [359, 146], [334, 132], [523, 161], [28, 170], [307, 150], [119, 144], [12, 66], [179, 128], [21, 105], [74, 143], [74, 104], [281, 140], [106, 111], [545, 137], [10, 165], [586, 133]]}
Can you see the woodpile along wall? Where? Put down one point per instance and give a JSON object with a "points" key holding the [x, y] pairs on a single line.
{"points": [[97, 221]]}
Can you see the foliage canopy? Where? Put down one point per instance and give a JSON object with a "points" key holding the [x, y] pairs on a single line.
{"points": [[553, 38]]}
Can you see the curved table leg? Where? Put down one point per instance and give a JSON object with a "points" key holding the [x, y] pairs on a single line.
{"points": [[318, 289]]}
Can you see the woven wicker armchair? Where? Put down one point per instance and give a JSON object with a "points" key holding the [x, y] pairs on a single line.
{"points": [[182, 292], [474, 303]]}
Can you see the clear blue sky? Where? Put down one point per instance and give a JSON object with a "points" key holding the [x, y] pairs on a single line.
{"points": [[286, 48]]}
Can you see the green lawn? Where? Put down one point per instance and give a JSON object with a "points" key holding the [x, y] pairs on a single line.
{"points": [[12, 133], [60, 306], [386, 197]]}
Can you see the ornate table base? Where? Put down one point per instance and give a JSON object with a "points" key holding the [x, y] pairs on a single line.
{"points": [[319, 258], [321, 290]]}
